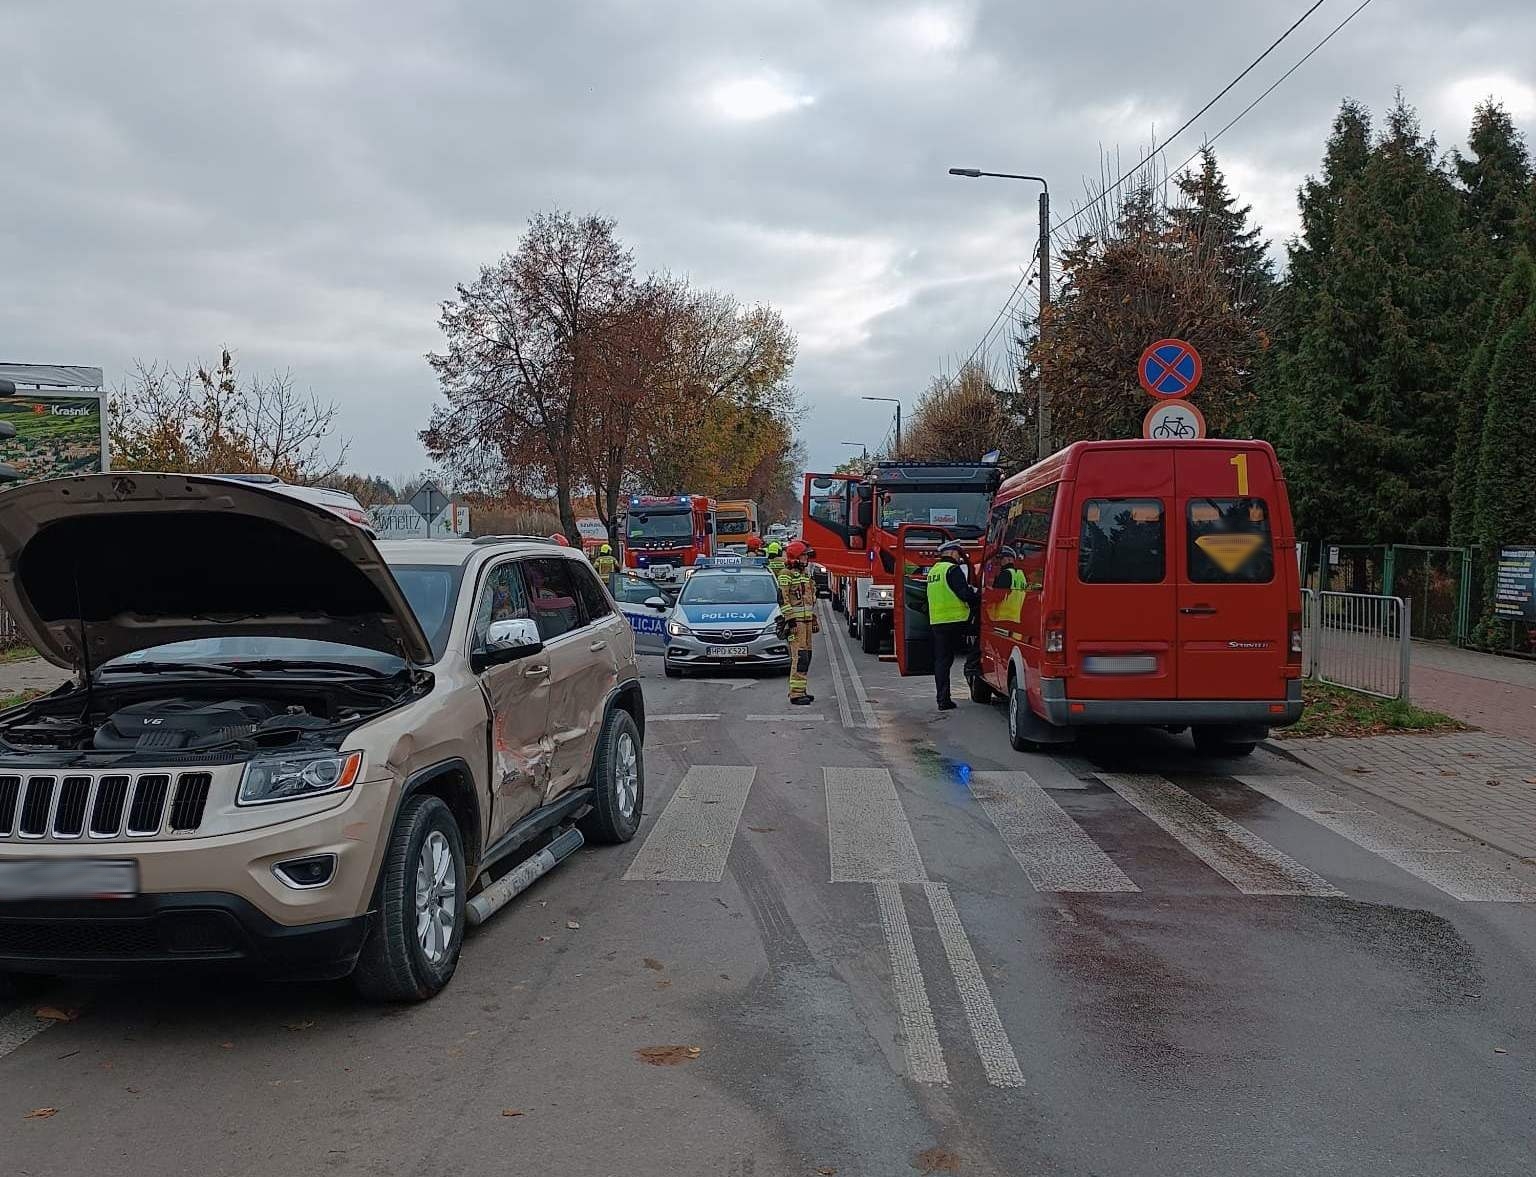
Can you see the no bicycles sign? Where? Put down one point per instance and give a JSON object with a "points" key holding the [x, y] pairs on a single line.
{"points": [[1173, 421]]}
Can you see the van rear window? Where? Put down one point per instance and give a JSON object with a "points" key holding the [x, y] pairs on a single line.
{"points": [[1121, 542], [1229, 542]]}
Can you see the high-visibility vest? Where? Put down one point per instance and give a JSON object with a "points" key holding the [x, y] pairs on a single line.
{"points": [[606, 565], [1011, 607], [799, 595], [944, 605]]}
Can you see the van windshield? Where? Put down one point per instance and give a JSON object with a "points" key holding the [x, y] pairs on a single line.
{"points": [[1229, 542]]}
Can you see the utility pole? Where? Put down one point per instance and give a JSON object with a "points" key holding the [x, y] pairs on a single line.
{"points": [[891, 400], [1043, 406]]}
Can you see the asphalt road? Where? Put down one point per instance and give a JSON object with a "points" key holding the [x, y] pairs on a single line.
{"points": [[865, 938]]}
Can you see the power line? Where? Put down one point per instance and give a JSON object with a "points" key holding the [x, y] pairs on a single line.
{"points": [[1189, 122], [1338, 28]]}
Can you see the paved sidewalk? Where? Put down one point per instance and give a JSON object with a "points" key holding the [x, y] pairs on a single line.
{"points": [[1497, 694], [1477, 782], [29, 674]]}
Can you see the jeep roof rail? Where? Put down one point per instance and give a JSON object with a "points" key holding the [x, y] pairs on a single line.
{"points": [[503, 539], [263, 479]]}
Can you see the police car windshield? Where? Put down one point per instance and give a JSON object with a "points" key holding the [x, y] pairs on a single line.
{"points": [[730, 588], [651, 525]]}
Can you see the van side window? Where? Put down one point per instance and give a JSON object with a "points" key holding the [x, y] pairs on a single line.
{"points": [[1027, 531], [1121, 542], [1229, 542]]}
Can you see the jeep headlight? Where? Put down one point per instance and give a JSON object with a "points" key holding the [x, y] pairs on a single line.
{"points": [[289, 778], [677, 629]]}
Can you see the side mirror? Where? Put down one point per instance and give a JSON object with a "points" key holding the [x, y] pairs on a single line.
{"points": [[821, 483], [516, 637], [866, 513], [657, 603], [7, 388]]}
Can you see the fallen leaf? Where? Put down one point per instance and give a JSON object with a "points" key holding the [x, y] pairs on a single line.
{"points": [[543, 939], [1499, 1050], [51, 1013], [572, 925], [41, 1114], [1361, 769], [827, 1171], [1447, 772], [304, 1025], [663, 984], [1493, 783], [652, 963], [667, 1056], [1530, 780], [770, 830], [511, 1111], [937, 1160], [226, 1046], [695, 1051]]}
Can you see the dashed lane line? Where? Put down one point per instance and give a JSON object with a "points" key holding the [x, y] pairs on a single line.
{"points": [[1241, 857], [1434, 857], [692, 838], [865, 716], [845, 712], [1055, 853], [997, 1057], [919, 1034]]}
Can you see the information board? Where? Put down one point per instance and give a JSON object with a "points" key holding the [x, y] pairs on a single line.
{"points": [[1514, 590]]}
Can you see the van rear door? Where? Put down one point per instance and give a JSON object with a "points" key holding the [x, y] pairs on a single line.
{"points": [[1120, 600], [1233, 594]]}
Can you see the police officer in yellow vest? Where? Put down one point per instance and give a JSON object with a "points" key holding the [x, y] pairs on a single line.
{"points": [[951, 598], [797, 619], [604, 563]]}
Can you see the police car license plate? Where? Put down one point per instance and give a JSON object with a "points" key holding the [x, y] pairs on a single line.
{"points": [[727, 651], [69, 878]]}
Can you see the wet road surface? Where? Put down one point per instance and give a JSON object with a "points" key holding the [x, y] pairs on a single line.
{"points": [[865, 937]]}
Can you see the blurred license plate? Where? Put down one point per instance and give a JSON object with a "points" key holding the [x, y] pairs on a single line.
{"points": [[88, 878], [726, 651]]}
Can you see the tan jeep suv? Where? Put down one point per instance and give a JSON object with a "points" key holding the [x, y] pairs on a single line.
{"points": [[289, 748]]}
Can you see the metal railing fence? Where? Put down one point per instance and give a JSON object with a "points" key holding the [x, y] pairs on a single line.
{"points": [[1359, 641]]}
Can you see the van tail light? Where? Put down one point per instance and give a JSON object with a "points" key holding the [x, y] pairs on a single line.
{"points": [[1294, 625], [1056, 633]]}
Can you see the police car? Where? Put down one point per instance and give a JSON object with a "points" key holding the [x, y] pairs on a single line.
{"points": [[725, 616]]}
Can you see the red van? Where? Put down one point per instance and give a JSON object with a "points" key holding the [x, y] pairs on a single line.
{"points": [[1143, 582]]}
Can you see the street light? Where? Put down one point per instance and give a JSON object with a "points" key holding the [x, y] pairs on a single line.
{"points": [[859, 445], [891, 400], [1043, 413]]}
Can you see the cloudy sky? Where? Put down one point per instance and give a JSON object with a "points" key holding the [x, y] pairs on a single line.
{"points": [[305, 180]]}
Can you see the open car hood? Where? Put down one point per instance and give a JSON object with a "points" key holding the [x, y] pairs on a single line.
{"points": [[138, 560]]}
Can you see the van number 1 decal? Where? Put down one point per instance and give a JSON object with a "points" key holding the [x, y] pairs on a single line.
{"points": [[1241, 462]]}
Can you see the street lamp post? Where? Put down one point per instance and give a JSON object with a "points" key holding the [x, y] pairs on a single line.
{"points": [[1043, 409], [859, 445], [891, 400]]}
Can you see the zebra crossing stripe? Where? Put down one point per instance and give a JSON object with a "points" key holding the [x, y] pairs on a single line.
{"points": [[868, 836], [997, 1057], [1244, 859], [919, 1034], [1435, 857], [692, 838], [1055, 853]]}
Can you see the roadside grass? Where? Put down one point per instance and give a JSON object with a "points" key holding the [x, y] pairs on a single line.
{"points": [[1333, 711], [19, 698], [16, 654]]}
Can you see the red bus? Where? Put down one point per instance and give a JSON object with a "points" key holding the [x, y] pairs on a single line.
{"points": [[668, 531], [1143, 582]]}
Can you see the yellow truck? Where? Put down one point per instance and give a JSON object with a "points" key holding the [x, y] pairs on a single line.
{"points": [[735, 519]]}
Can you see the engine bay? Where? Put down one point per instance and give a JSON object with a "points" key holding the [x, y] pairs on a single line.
{"points": [[143, 721]]}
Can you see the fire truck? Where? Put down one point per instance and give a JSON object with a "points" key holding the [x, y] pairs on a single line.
{"points": [[664, 532], [865, 527]]}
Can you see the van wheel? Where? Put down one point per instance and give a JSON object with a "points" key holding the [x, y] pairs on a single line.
{"points": [[980, 691], [618, 776], [1213, 742], [418, 929], [1018, 710], [869, 634]]}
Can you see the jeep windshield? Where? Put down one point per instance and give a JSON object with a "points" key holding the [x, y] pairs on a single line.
{"points": [[431, 590], [660, 525]]}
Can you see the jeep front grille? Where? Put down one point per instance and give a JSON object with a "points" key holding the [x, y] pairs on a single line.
{"points": [[71, 808]]}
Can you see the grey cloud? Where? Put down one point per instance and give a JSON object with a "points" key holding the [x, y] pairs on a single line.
{"points": [[306, 181]]}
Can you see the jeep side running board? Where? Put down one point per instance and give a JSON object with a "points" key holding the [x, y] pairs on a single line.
{"points": [[486, 904], [567, 807]]}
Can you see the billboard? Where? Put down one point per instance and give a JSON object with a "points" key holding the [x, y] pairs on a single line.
{"points": [[56, 434]]}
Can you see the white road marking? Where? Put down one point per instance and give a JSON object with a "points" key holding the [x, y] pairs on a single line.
{"points": [[1244, 859], [997, 1057], [843, 710], [1054, 851], [1435, 857], [868, 836], [919, 1035], [866, 714], [790, 716], [692, 838], [19, 1027], [680, 718]]}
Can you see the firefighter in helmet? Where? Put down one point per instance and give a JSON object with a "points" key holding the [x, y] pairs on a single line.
{"points": [[797, 618], [604, 562], [776, 558]]}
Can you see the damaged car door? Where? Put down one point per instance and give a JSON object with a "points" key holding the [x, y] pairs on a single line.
{"points": [[517, 695]]}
